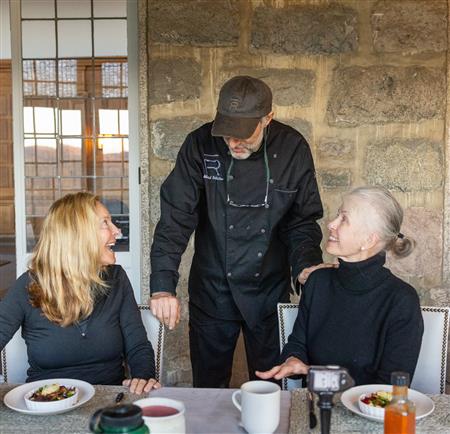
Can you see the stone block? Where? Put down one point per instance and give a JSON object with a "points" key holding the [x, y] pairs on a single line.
{"points": [[332, 29], [385, 94], [177, 366], [334, 148], [425, 227], [303, 126], [167, 135], [174, 80], [438, 296], [194, 22], [404, 164], [334, 178], [289, 86], [155, 208], [409, 27]]}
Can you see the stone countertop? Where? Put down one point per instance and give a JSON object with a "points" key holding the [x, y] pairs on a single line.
{"points": [[344, 421], [74, 422]]}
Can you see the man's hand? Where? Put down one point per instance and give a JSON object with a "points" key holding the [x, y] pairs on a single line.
{"points": [[166, 307], [303, 276], [292, 366]]}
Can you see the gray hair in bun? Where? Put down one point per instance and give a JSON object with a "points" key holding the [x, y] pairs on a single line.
{"points": [[388, 221]]}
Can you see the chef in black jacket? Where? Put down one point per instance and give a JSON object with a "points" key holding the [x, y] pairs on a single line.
{"points": [[246, 184]]}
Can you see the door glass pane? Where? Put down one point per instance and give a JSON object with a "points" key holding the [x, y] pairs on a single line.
{"points": [[70, 122], [74, 38], [72, 185], [117, 8], [39, 77], [76, 109], [111, 79], [44, 120], [110, 38], [74, 8], [68, 84], [43, 46], [38, 9]]}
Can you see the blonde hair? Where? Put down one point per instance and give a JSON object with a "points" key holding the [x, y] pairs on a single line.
{"points": [[65, 265], [388, 221]]}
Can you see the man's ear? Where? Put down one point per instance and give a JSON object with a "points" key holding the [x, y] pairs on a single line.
{"points": [[269, 118]]}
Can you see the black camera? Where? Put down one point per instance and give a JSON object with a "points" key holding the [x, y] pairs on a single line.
{"points": [[325, 381], [331, 379]]}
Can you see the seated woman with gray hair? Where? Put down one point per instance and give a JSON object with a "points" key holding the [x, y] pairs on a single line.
{"points": [[77, 310], [358, 315]]}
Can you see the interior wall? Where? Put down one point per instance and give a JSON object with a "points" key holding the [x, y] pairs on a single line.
{"points": [[363, 81]]}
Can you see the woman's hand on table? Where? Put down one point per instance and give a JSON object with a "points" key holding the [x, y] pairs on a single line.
{"points": [[141, 385], [292, 366]]}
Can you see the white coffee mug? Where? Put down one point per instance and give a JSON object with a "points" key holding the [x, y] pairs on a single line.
{"points": [[259, 405], [172, 424]]}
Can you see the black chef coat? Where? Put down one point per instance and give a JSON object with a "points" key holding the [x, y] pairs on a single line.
{"points": [[244, 256]]}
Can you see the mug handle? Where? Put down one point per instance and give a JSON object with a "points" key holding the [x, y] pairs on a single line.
{"points": [[236, 403]]}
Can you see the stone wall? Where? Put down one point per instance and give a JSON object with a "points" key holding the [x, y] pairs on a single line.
{"points": [[363, 80]]}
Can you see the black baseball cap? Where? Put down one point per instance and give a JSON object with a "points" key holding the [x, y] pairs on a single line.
{"points": [[243, 101]]}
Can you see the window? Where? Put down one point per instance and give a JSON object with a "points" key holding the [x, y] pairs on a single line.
{"points": [[75, 107], [77, 114]]}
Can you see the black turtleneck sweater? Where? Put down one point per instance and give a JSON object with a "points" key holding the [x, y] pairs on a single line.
{"points": [[359, 316]]}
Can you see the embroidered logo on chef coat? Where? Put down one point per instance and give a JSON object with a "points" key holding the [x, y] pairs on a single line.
{"points": [[212, 167]]}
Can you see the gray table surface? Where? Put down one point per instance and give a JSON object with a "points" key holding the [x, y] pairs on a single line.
{"points": [[207, 411], [344, 421]]}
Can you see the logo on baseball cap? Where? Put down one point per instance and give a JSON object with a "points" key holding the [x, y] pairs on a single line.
{"points": [[243, 101]]}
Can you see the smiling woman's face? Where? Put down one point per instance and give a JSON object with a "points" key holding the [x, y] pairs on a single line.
{"points": [[348, 231], [108, 233]]}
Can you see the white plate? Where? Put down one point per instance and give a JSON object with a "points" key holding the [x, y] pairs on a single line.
{"points": [[424, 405], [14, 399]]}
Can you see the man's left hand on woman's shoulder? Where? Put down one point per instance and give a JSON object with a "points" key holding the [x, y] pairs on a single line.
{"points": [[303, 276]]}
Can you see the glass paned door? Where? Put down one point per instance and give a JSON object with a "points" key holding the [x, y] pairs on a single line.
{"points": [[76, 113]]}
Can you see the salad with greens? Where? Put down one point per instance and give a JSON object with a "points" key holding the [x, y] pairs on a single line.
{"points": [[52, 392], [378, 399]]}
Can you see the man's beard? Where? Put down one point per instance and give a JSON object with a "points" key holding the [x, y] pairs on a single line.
{"points": [[241, 156], [247, 151]]}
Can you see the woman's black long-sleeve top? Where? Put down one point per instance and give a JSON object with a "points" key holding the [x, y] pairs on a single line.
{"points": [[359, 316], [93, 350]]}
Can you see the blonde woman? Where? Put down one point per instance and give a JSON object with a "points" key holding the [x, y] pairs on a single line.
{"points": [[358, 315], [77, 310]]}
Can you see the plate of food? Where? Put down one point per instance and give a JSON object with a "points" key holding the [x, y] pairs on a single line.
{"points": [[370, 400], [51, 396]]}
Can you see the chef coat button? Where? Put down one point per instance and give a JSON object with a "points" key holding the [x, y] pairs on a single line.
{"points": [[271, 180], [231, 227], [229, 274], [259, 254], [83, 334], [230, 178], [275, 155], [263, 231], [256, 274], [248, 227]]}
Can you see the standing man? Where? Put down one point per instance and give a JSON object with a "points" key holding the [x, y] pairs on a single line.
{"points": [[246, 184]]}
